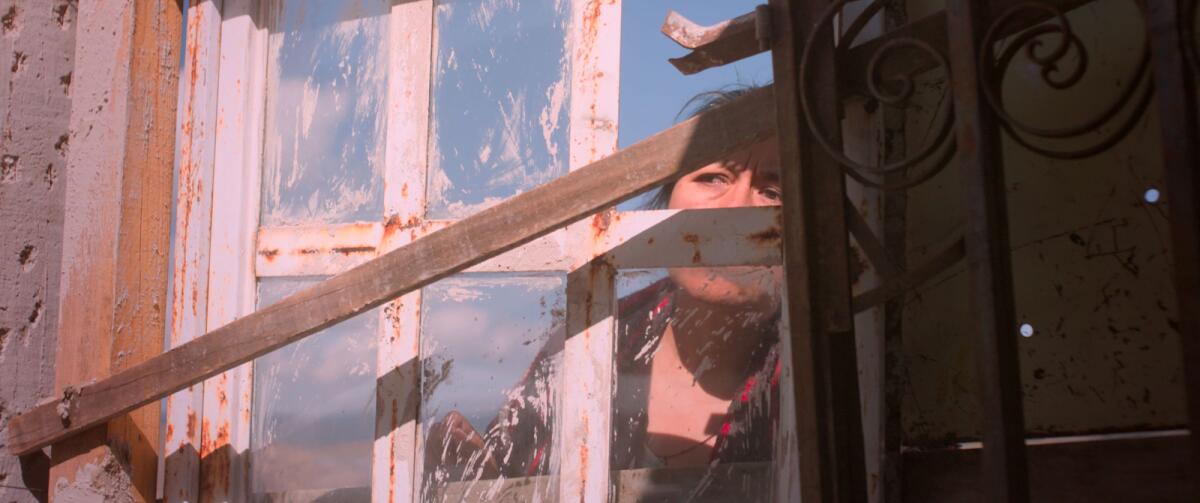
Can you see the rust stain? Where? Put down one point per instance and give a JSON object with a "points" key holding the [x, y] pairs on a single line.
{"points": [[395, 223], [206, 445], [222, 398], [404, 190], [392, 452], [269, 254], [600, 223], [307, 251], [170, 432], [583, 455], [768, 237], [349, 250], [694, 240], [191, 425]]}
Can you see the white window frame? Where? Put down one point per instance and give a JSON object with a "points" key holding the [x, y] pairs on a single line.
{"points": [[220, 252]]}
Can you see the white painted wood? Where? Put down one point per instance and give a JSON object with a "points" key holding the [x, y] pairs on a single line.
{"points": [[700, 237], [189, 287], [628, 240], [584, 413], [585, 390], [395, 465], [227, 397]]}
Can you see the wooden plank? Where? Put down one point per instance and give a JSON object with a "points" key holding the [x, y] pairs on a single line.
{"points": [[1146, 467], [193, 211], [116, 234], [712, 46], [816, 247], [663, 157], [1175, 85], [989, 261]]}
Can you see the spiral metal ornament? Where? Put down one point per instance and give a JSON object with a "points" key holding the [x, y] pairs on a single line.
{"points": [[931, 157], [1048, 55]]}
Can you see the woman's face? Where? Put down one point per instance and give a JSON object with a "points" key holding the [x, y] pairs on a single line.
{"points": [[748, 178]]}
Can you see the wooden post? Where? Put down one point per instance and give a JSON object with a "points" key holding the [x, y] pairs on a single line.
{"points": [[115, 234], [816, 246], [1175, 84], [988, 258]]}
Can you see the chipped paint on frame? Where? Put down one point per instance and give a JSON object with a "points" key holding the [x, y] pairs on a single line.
{"points": [[195, 150], [225, 432]]}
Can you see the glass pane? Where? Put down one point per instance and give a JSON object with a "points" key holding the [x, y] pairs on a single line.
{"points": [[695, 398], [314, 410], [490, 348], [501, 98], [325, 113]]}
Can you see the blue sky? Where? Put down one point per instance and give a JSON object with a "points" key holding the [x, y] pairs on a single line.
{"points": [[653, 91]]}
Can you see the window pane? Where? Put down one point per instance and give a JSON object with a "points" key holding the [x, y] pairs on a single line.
{"points": [[490, 348], [500, 101], [325, 113], [695, 398], [314, 409]]}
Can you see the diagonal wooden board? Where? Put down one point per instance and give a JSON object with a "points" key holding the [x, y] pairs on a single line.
{"points": [[523, 218]]}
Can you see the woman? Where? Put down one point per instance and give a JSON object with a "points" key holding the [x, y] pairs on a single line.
{"points": [[696, 363]]}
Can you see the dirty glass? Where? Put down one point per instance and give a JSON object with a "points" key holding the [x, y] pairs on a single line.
{"points": [[695, 398], [327, 76], [501, 101], [490, 349], [314, 410]]}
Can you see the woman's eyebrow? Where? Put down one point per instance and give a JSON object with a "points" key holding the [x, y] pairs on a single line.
{"points": [[771, 176]]}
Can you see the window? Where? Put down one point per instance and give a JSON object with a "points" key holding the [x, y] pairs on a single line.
{"points": [[328, 133]]}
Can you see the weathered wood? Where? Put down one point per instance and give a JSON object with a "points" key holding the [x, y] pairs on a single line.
{"points": [[816, 247], [712, 46], [1175, 85], [663, 157], [116, 233], [989, 261]]}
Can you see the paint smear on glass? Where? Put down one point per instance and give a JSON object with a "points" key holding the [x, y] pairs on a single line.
{"points": [[500, 101], [490, 350], [324, 152]]}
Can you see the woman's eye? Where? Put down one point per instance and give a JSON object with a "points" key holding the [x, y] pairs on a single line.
{"points": [[772, 193], [713, 178]]}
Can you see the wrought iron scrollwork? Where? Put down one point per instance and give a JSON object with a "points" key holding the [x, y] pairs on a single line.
{"points": [[1050, 55], [897, 91]]}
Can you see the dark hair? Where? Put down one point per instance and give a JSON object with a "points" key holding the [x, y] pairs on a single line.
{"points": [[697, 105]]}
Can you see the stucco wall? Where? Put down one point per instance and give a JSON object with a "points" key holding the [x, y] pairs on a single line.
{"points": [[37, 40]]}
